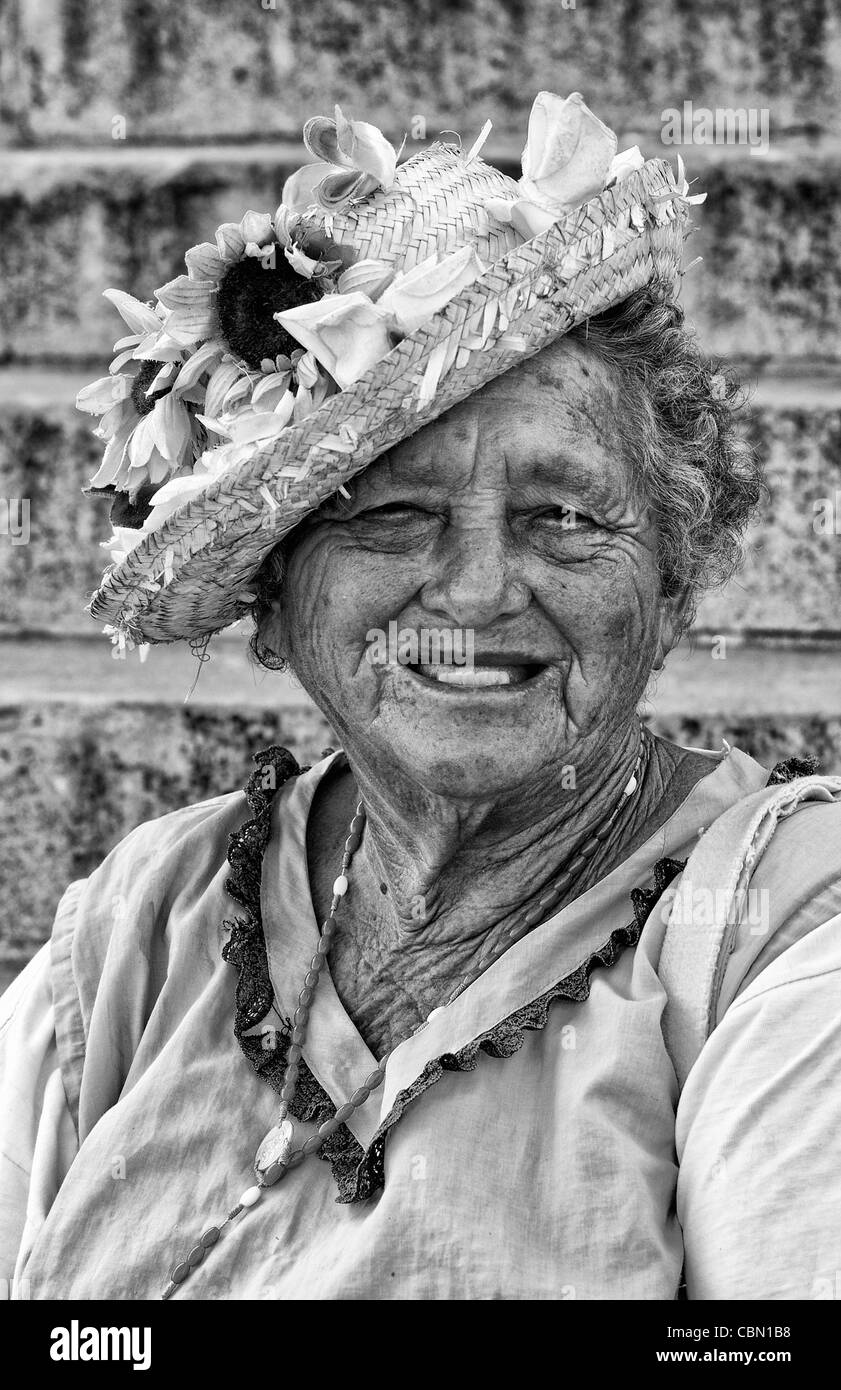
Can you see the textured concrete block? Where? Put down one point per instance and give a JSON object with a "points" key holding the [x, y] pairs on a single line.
{"points": [[205, 68], [792, 577], [770, 280], [75, 780], [45, 459]]}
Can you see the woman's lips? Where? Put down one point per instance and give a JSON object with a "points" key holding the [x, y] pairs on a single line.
{"points": [[492, 675], [470, 677]]}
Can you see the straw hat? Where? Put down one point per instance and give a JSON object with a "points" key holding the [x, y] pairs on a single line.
{"points": [[388, 293]]}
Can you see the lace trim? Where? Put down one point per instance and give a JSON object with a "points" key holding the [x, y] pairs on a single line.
{"points": [[358, 1172], [791, 768], [246, 950]]}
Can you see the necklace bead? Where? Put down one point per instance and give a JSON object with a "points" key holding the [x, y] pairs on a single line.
{"points": [[274, 1173]]}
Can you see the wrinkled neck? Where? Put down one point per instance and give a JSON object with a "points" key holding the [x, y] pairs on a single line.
{"points": [[445, 860]]}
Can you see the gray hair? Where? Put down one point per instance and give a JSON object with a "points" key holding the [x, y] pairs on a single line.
{"points": [[678, 423]]}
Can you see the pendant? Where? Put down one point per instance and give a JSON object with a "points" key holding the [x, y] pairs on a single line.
{"points": [[274, 1148]]}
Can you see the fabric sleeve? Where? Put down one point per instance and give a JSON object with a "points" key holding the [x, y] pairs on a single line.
{"points": [[133, 942], [759, 1134], [37, 1134]]}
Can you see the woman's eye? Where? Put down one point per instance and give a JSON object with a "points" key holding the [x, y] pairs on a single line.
{"points": [[393, 511], [565, 518]]}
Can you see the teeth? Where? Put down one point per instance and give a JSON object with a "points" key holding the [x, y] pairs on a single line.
{"points": [[470, 677]]}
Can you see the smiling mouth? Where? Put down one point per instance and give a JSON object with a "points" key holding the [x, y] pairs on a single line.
{"points": [[479, 676]]}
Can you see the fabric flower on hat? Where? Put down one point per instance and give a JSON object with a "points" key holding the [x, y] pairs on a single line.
{"points": [[569, 157], [624, 164], [209, 341], [348, 333], [353, 157], [234, 284], [178, 491], [122, 541], [146, 418]]}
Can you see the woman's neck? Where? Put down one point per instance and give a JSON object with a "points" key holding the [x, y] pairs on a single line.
{"points": [[451, 862], [436, 884]]}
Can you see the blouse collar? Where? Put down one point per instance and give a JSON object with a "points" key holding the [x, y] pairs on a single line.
{"points": [[335, 1051]]}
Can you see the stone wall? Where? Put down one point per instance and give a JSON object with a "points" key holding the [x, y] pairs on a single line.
{"points": [[216, 69], [129, 131]]}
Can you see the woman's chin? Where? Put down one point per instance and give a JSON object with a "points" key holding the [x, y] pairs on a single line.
{"points": [[461, 759], [461, 738]]}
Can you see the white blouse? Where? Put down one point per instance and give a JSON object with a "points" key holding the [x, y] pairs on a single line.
{"points": [[528, 1142]]}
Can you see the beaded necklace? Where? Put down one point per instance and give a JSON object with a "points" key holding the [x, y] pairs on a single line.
{"points": [[275, 1156]]}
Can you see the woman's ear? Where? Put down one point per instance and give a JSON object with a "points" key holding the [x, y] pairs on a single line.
{"points": [[675, 615], [271, 624]]}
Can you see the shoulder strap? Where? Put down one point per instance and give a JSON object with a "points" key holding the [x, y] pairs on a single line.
{"points": [[707, 904]]}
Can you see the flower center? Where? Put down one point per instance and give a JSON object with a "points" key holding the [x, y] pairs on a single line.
{"points": [[249, 295], [125, 512], [142, 403]]}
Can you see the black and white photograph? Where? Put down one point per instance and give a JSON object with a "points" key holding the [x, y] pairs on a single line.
{"points": [[420, 662]]}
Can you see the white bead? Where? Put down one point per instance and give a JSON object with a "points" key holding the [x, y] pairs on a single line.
{"points": [[250, 1197], [435, 1013], [631, 787], [340, 887]]}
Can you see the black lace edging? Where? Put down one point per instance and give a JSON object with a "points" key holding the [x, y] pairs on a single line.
{"points": [[358, 1172], [246, 950], [791, 768]]}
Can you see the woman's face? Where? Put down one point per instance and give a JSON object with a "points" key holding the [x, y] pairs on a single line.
{"points": [[513, 519]]}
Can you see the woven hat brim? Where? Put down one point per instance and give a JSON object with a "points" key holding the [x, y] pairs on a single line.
{"points": [[190, 577]]}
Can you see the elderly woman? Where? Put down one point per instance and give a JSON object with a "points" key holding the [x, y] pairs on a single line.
{"points": [[551, 999]]}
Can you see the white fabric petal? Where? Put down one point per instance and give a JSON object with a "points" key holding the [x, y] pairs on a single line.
{"points": [[204, 262], [426, 289], [222, 379], [345, 332], [364, 147], [139, 317], [103, 394], [204, 359], [568, 152], [257, 226], [298, 190]]}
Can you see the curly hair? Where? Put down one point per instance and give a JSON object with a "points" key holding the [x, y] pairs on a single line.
{"points": [[678, 427]]}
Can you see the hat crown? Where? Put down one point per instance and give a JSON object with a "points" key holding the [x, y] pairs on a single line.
{"points": [[436, 204]]}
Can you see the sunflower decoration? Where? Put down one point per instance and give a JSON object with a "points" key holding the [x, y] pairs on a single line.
{"points": [[207, 369], [203, 360]]}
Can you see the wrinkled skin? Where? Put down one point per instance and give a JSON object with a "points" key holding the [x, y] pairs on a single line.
{"points": [[467, 525]]}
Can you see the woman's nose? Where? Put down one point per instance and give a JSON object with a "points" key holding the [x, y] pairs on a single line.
{"points": [[476, 578]]}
